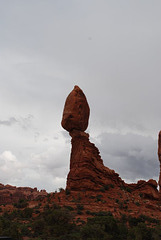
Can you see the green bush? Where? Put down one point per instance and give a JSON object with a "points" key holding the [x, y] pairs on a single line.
{"points": [[69, 208], [80, 207], [61, 189], [57, 223], [22, 203], [67, 191], [99, 198], [27, 213], [137, 204]]}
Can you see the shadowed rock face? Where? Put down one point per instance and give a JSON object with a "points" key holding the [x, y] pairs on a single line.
{"points": [[76, 111], [159, 157]]}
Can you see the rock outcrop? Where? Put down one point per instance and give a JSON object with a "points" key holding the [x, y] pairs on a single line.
{"points": [[159, 156], [148, 189], [11, 194], [87, 171]]}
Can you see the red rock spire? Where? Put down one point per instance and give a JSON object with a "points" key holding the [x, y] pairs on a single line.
{"points": [[87, 171]]}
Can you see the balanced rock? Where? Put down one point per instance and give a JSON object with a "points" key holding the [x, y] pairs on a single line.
{"points": [[76, 111], [87, 171]]}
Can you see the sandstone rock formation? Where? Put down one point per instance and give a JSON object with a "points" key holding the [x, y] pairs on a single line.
{"points": [[148, 189], [12, 194], [87, 171], [76, 111], [159, 156]]}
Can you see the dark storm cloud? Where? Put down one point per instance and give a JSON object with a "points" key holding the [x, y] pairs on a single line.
{"points": [[132, 156]]}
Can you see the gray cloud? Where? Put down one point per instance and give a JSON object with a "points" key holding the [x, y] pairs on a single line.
{"points": [[132, 156], [8, 122], [23, 122]]}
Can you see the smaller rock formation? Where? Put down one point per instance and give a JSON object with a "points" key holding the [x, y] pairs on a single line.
{"points": [[147, 188], [159, 156], [11, 194]]}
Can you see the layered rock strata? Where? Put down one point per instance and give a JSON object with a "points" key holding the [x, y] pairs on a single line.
{"points": [[87, 171], [147, 189], [11, 194]]}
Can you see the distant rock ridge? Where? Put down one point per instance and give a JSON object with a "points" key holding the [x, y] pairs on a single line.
{"points": [[87, 171], [12, 194]]}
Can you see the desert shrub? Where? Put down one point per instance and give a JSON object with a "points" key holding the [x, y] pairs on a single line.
{"points": [[27, 213], [38, 227], [127, 189], [88, 212], [79, 212], [137, 204], [156, 233], [141, 231], [25, 230], [61, 189], [67, 191], [22, 203], [56, 224], [9, 228], [69, 208], [102, 189], [101, 213], [92, 197], [103, 227], [80, 207], [99, 198]]}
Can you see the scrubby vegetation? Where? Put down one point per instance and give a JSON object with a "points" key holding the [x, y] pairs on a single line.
{"points": [[56, 223]]}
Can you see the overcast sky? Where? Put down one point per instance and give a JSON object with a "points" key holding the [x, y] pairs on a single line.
{"points": [[111, 49]]}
